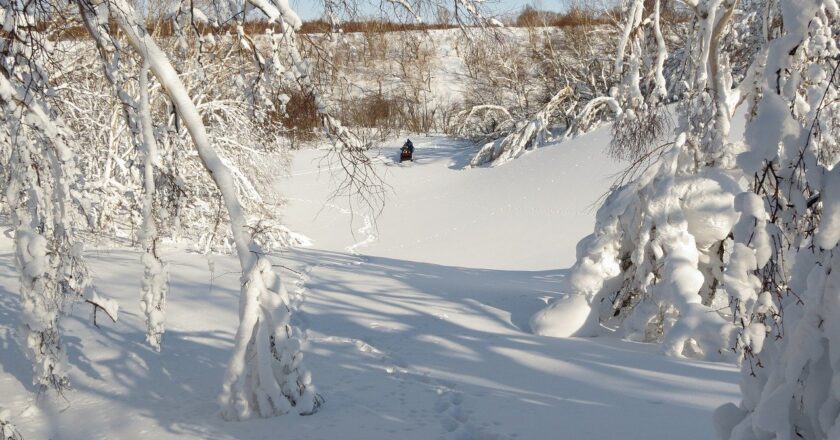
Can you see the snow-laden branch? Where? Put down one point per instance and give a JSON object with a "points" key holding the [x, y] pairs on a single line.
{"points": [[155, 271], [531, 134], [265, 376], [47, 253], [7, 429], [278, 11], [592, 114], [407, 7]]}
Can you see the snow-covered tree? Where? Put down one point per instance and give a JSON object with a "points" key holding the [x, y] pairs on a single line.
{"points": [[525, 136], [785, 267], [266, 375], [40, 176], [652, 269], [714, 246]]}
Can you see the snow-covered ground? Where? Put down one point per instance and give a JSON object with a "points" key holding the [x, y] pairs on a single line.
{"points": [[525, 216], [416, 323]]}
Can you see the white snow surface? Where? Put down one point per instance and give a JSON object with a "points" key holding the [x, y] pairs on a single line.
{"points": [[416, 324], [522, 216]]}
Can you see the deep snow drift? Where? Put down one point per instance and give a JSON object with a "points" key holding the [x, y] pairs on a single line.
{"points": [[416, 325]]}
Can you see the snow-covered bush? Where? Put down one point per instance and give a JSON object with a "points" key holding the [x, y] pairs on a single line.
{"points": [[713, 246], [789, 282], [649, 269], [41, 180], [525, 135], [484, 121], [655, 268]]}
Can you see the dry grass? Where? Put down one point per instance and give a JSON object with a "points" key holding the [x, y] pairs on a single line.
{"points": [[164, 28], [529, 17], [575, 16]]}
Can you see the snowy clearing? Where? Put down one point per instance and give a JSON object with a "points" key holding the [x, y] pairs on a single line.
{"points": [[417, 325]]}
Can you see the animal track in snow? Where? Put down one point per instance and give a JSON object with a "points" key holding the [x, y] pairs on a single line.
{"points": [[455, 420]]}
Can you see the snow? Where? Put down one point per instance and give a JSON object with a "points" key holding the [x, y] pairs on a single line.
{"points": [[708, 209], [829, 233], [527, 215], [416, 325], [564, 318]]}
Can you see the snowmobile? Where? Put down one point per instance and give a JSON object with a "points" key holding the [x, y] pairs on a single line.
{"points": [[406, 153]]}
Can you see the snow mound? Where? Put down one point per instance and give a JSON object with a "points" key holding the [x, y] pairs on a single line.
{"points": [[563, 318]]}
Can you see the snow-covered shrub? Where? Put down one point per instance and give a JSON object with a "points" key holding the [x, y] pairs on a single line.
{"points": [[789, 267], [185, 202], [41, 192], [646, 269], [484, 121], [654, 269], [525, 136]]}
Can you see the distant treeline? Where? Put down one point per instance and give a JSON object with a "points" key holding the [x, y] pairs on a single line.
{"points": [[166, 28], [529, 17], [575, 16]]}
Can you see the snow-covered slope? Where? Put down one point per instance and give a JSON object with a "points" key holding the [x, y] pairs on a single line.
{"points": [[528, 214], [417, 329]]}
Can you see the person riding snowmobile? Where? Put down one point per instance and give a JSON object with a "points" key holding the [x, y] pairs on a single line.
{"points": [[407, 151]]}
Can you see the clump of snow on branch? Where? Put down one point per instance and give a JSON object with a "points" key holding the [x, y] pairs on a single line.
{"points": [[7, 429]]}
